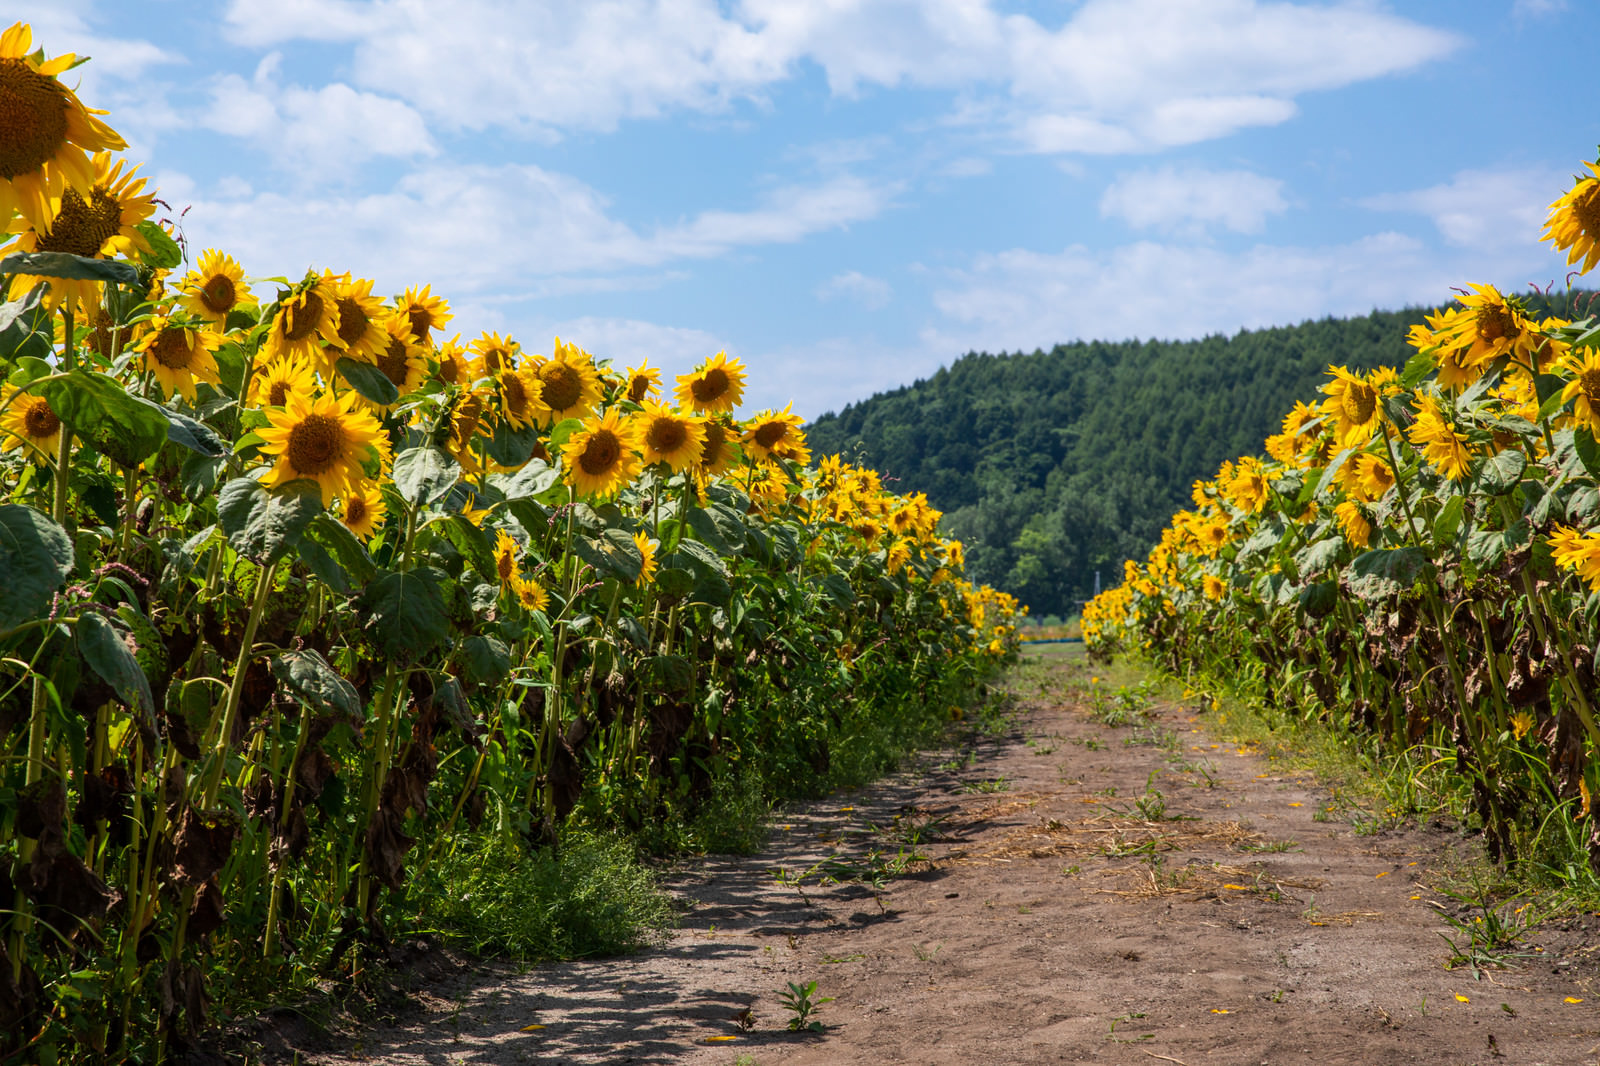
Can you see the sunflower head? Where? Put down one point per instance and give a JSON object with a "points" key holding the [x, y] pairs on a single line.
{"points": [[522, 399], [27, 422], [451, 365], [716, 387], [307, 318], [601, 457], [424, 311], [362, 318], [273, 384], [495, 355], [530, 594], [505, 557], [179, 356], [775, 433], [1574, 222], [363, 511], [643, 383], [647, 555], [216, 288], [401, 361], [327, 440], [570, 382], [671, 437]]}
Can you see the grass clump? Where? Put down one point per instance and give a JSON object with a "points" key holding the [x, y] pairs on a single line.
{"points": [[589, 896]]}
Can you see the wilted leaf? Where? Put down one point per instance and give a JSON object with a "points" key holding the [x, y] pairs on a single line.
{"points": [[307, 674], [105, 647], [1386, 571]]}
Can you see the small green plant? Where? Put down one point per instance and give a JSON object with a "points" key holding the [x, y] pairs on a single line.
{"points": [[999, 784], [801, 1002], [1115, 1039], [926, 954], [1487, 937]]}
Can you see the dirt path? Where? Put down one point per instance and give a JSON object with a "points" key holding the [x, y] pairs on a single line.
{"points": [[1069, 914]]}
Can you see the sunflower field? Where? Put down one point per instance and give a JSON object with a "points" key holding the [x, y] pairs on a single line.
{"points": [[298, 595], [1417, 555]]}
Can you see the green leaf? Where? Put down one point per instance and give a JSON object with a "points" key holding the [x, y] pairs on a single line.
{"points": [[264, 523], [562, 432], [1448, 521], [307, 674], [1584, 506], [1319, 556], [198, 475], [1587, 449], [113, 422], [613, 552], [343, 545], [674, 583], [405, 612], [321, 562], [510, 446], [370, 382], [25, 328], [1319, 600], [194, 435], [532, 480], [485, 660], [1502, 471], [423, 475], [671, 674], [164, 251], [70, 267], [105, 647], [471, 542], [701, 558], [1419, 366], [1333, 468], [35, 558], [837, 588], [1487, 548], [1386, 571], [1263, 540]]}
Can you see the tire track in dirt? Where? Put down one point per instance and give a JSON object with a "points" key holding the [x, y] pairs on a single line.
{"points": [[1138, 894]]}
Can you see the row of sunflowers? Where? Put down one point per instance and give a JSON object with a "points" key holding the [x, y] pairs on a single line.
{"points": [[302, 591], [1418, 554]]}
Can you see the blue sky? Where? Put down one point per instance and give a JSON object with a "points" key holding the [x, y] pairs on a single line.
{"points": [[848, 194]]}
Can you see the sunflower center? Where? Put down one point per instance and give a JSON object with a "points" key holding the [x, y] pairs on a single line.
{"points": [[1495, 323], [421, 322], [562, 386], [1586, 209], [218, 294], [278, 393], [1589, 382], [465, 419], [39, 421], [666, 435], [449, 369], [515, 394], [315, 444], [352, 321], [81, 226], [505, 565], [711, 450], [1360, 400], [33, 118], [601, 453], [100, 339], [771, 433], [638, 388], [355, 511], [171, 349], [709, 387], [303, 316], [393, 363], [495, 359]]}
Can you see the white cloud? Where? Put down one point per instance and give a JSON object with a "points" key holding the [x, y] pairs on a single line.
{"points": [[1524, 9], [629, 342], [1114, 76], [871, 293], [1486, 209], [968, 166], [1189, 199]]}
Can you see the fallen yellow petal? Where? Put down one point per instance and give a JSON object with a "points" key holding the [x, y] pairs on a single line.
{"points": [[1297, 804], [1220, 1010], [1573, 999], [1384, 874], [720, 1039], [1462, 999], [1237, 888], [532, 1028]]}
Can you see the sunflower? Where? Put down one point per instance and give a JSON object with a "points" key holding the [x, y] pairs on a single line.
{"points": [[1357, 528], [670, 437], [1369, 477], [1579, 552], [496, 354], [451, 365], [716, 387], [304, 320], [716, 454], [27, 422], [643, 383], [425, 311], [1301, 427], [571, 385], [600, 457], [1574, 222], [505, 557], [363, 511], [400, 360], [45, 131], [215, 289], [899, 555], [1488, 326], [466, 417], [1584, 388], [1246, 486], [522, 398], [1441, 445], [321, 438], [647, 556], [362, 318], [1353, 405], [776, 434], [179, 356], [273, 384], [99, 224], [530, 593], [1213, 587]]}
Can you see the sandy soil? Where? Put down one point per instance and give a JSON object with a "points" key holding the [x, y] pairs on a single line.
{"points": [[1057, 919]]}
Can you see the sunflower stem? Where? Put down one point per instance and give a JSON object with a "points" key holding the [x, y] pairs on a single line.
{"points": [[230, 713]]}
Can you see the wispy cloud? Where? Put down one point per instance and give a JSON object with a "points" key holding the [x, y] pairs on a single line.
{"points": [[871, 293], [1482, 208], [1190, 199]]}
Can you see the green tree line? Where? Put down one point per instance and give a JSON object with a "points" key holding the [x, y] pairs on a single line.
{"points": [[1054, 465]]}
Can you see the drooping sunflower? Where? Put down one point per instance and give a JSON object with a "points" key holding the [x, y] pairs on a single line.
{"points": [[671, 437], [425, 311], [1574, 222], [466, 418], [363, 511], [305, 320], [1353, 520], [647, 555], [775, 433], [495, 355], [1584, 388], [48, 133], [362, 318], [401, 361], [180, 355], [717, 453], [1441, 445], [273, 384], [643, 383], [1301, 428], [1213, 587], [451, 365], [322, 438], [532, 595], [571, 384], [1246, 486], [215, 288], [899, 555], [1488, 326], [1353, 405], [506, 551], [27, 422], [602, 456], [522, 398], [98, 224], [716, 387]]}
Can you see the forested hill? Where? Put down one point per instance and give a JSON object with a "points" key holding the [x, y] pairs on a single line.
{"points": [[1053, 465]]}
